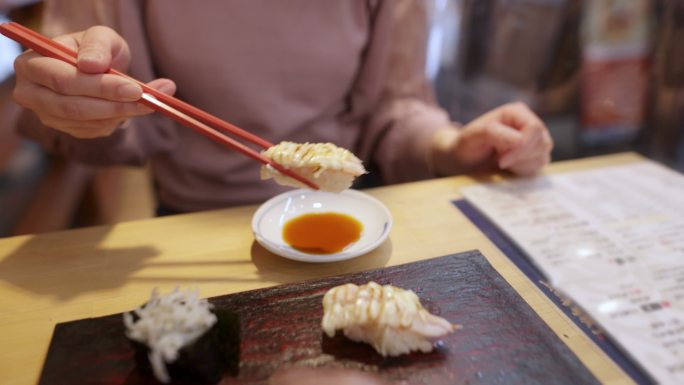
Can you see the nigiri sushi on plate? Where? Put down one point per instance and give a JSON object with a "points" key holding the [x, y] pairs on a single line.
{"points": [[331, 167], [389, 318]]}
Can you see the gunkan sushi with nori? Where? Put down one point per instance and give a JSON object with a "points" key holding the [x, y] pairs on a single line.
{"points": [[180, 336]]}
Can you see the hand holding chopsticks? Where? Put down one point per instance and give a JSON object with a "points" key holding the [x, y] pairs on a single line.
{"points": [[176, 109], [84, 102]]}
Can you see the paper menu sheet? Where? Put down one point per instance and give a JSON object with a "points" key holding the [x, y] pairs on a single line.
{"points": [[612, 240]]}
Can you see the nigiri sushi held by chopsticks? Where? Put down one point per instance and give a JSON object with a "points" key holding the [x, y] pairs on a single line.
{"points": [[389, 318], [331, 167]]}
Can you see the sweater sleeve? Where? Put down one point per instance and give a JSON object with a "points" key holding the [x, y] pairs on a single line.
{"points": [[398, 133], [137, 139]]}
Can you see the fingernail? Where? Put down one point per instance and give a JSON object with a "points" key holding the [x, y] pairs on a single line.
{"points": [[129, 91]]}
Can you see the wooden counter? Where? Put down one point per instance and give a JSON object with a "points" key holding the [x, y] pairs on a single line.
{"points": [[69, 275]]}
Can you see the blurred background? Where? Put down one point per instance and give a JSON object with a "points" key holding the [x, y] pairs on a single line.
{"points": [[605, 75]]}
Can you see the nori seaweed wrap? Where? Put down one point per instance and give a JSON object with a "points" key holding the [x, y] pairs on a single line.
{"points": [[201, 360]]}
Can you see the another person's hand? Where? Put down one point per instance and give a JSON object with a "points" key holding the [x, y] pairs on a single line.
{"points": [[510, 137], [307, 376], [84, 102]]}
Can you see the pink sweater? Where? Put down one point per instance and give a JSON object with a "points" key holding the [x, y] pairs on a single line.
{"points": [[348, 72]]}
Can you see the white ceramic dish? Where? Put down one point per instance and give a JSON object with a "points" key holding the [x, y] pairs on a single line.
{"points": [[270, 217]]}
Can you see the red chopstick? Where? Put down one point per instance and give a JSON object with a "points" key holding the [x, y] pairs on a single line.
{"points": [[170, 106]]}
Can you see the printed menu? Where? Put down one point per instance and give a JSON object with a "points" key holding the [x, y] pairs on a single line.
{"points": [[612, 240]]}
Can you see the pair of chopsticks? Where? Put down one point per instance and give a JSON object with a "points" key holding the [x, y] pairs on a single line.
{"points": [[176, 109]]}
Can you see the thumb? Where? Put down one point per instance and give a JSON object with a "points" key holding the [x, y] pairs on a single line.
{"points": [[100, 49]]}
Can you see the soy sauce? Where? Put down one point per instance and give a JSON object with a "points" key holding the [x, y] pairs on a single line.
{"points": [[322, 233]]}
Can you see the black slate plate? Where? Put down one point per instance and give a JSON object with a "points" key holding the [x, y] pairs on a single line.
{"points": [[503, 341]]}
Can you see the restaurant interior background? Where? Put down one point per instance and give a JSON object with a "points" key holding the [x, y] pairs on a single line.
{"points": [[605, 75]]}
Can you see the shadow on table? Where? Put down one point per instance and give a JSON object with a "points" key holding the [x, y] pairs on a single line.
{"points": [[274, 268], [190, 279], [47, 265]]}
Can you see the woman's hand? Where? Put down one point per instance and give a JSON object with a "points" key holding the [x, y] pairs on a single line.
{"points": [[510, 137], [84, 102]]}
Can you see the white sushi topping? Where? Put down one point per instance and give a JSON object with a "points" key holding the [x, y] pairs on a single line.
{"points": [[323, 155], [389, 318], [167, 323], [333, 168]]}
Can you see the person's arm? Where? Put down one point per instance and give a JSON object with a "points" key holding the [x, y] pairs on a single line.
{"points": [[83, 113], [409, 137], [403, 117]]}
